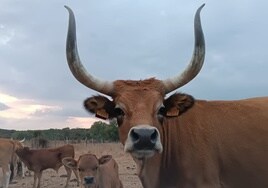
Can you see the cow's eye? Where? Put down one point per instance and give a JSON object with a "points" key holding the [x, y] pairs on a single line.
{"points": [[119, 114], [95, 168], [161, 113]]}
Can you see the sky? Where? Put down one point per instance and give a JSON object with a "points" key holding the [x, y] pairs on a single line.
{"points": [[123, 39]]}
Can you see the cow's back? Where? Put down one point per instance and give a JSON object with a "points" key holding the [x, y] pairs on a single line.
{"points": [[66, 151], [52, 157]]}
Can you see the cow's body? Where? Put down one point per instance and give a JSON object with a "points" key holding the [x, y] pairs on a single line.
{"points": [[180, 142], [210, 147], [8, 159], [38, 160], [94, 172]]}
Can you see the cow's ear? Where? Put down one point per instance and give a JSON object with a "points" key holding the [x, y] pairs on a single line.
{"points": [[104, 159], [100, 106], [177, 104], [69, 162]]}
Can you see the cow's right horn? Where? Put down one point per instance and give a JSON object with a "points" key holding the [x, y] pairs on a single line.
{"points": [[76, 65]]}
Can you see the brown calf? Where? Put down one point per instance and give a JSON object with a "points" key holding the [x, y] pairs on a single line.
{"points": [[94, 172], [42, 159]]}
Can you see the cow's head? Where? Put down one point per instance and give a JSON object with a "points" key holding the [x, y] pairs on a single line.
{"points": [[88, 168], [140, 107], [19, 143]]}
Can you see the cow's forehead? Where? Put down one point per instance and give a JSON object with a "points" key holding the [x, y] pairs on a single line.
{"points": [[88, 160], [134, 85], [128, 91]]}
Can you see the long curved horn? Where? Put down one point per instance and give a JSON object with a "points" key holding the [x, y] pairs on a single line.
{"points": [[76, 65], [196, 62]]}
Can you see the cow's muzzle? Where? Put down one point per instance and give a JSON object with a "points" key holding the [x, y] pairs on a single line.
{"points": [[143, 141], [89, 181]]}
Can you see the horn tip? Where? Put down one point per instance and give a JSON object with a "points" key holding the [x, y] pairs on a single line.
{"points": [[202, 6], [68, 8]]}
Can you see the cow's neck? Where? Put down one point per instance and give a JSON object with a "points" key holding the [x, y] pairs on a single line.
{"points": [[146, 174], [176, 160]]}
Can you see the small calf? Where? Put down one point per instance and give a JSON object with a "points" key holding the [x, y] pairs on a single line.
{"points": [[38, 160], [94, 172]]}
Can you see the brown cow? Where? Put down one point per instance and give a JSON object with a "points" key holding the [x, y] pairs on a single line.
{"points": [[38, 160], [94, 172], [16, 161], [8, 158], [179, 141]]}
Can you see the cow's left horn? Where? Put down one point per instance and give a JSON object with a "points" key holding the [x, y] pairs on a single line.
{"points": [[196, 62], [76, 65]]}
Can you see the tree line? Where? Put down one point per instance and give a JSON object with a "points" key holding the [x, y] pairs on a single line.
{"points": [[99, 132]]}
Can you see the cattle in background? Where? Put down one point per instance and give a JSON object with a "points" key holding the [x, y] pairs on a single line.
{"points": [[18, 164], [8, 159], [6, 155], [178, 141], [38, 160], [94, 172]]}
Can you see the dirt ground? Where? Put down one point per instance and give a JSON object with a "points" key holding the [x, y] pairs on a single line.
{"points": [[52, 179]]}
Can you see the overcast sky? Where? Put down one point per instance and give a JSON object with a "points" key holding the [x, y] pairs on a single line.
{"points": [[123, 39]]}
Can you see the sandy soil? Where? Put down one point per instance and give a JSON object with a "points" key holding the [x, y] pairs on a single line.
{"points": [[52, 179]]}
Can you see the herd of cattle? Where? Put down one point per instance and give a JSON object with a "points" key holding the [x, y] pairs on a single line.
{"points": [[90, 171]]}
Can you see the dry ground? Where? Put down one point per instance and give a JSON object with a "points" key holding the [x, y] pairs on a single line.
{"points": [[51, 179]]}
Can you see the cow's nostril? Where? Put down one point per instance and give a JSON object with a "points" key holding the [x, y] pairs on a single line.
{"points": [[135, 135], [154, 136]]}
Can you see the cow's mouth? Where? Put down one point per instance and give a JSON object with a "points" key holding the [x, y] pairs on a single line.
{"points": [[143, 154], [90, 185]]}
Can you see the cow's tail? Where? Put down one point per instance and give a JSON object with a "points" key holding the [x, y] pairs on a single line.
{"points": [[12, 171]]}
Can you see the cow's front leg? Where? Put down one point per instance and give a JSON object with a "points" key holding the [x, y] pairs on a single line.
{"points": [[35, 177], [39, 176], [6, 175], [77, 176], [69, 173]]}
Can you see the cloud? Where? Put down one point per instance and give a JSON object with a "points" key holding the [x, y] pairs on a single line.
{"points": [[5, 35], [23, 108], [120, 39], [3, 107], [19, 113], [82, 122]]}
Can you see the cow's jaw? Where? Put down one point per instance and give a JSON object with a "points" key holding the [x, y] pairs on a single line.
{"points": [[89, 185], [143, 141]]}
